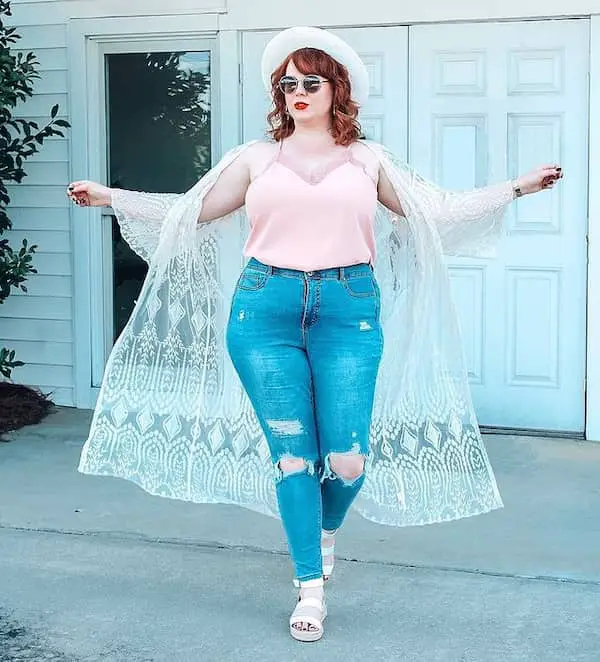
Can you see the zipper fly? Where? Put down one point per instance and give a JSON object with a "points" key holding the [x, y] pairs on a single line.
{"points": [[311, 302]]}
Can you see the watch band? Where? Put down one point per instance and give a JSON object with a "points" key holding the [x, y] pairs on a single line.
{"points": [[516, 189]]}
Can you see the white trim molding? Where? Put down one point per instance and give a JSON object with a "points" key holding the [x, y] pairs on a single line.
{"points": [[266, 14], [592, 427], [230, 109], [88, 41]]}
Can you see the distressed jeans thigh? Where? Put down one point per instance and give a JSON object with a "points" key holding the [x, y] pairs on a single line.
{"points": [[279, 385], [345, 369], [287, 418], [344, 411], [289, 427]]}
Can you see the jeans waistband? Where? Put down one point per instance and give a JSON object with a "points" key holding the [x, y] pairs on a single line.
{"points": [[334, 273]]}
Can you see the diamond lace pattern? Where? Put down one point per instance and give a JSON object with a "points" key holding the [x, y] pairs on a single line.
{"points": [[173, 418]]}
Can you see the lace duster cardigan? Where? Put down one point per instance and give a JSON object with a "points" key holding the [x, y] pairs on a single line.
{"points": [[173, 417]]}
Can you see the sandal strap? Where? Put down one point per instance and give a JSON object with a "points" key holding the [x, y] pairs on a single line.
{"points": [[328, 553], [309, 610], [311, 603], [311, 583]]}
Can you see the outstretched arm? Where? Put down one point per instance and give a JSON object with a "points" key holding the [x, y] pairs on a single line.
{"points": [[454, 207], [228, 192], [141, 216], [151, 207], [386, 194], [226, 195], [468, 223]]}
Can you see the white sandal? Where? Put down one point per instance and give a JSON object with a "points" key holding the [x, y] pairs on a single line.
{"points": [[309, 610], [327, 554]]}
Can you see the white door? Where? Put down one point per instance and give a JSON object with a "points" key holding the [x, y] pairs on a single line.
{"points": [[384, 51], [489, 101]]}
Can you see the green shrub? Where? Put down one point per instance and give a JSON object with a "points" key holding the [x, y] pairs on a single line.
{"points": [[19, 140]]}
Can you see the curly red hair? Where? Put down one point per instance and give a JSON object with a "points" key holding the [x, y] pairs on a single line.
{"points": [[344, 126]]}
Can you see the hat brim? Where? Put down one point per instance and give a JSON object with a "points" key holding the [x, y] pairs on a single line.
{"points": [[293, 39]]}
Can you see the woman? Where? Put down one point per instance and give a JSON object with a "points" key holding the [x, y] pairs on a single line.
{"points": [[303, 325]]}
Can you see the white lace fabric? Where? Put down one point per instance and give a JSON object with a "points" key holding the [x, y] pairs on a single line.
{"points": [[173, 417]]}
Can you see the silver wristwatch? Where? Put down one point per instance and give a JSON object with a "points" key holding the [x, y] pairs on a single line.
{"points": [[517, 192]]}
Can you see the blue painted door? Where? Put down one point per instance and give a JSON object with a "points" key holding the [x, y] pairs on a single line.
{"points": [[487, 102]]}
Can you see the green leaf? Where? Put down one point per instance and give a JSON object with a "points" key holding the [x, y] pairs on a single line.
{"points": [[20, 139]]}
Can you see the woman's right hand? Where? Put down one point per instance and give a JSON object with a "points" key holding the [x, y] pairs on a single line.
{"points": [[89, 194]]}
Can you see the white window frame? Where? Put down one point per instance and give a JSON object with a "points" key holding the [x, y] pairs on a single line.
{"points": [[89, 41], [102, 265]]}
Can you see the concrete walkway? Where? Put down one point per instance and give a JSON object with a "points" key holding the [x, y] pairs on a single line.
{"points": [[95, 569]]}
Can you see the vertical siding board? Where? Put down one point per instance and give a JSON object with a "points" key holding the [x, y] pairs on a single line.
{"points": [[39, 325]]}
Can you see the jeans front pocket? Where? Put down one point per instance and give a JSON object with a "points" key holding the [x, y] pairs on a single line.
{"points": [[252, 279], [361, 286]]}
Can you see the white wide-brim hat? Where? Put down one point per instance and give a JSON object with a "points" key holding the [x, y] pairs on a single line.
{"points": [[293, 39]]}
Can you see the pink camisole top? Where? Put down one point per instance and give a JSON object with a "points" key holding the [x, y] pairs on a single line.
{"points": [[309, 224]]}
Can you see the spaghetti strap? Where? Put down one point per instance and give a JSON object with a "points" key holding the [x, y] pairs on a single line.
{"points": [[359, 163], [269, 163]]}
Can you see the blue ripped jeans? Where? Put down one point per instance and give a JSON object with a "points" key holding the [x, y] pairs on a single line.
{"points": [[307, 347]]}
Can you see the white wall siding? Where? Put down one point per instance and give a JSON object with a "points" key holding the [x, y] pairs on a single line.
{"points": [[40, 12], [38, 325]]}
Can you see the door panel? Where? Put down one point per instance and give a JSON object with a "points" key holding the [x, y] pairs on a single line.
{"points": [[489, 102]]}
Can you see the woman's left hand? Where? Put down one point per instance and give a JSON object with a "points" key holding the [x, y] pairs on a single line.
{"points": [[539, 179]]}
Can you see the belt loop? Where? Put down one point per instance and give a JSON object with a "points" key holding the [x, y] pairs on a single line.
{"points": [[342, 273], [269, 270]]}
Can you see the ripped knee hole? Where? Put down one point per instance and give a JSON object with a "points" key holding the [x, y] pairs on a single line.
{"points": [[347, 467], [292, 464]]}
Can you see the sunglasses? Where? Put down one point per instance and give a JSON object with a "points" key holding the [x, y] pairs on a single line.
{"points": [[311, 84]]}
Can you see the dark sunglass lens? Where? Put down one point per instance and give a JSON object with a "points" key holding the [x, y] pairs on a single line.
{"points": [[312, 84], [288, 85]]}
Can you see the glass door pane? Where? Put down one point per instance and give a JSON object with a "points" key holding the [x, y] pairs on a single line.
{"points": [[159, 137]]}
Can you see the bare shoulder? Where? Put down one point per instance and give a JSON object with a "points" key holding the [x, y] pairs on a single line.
{"points": [[361, 150], [259, 155], [367, 158], [261, 148]]}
